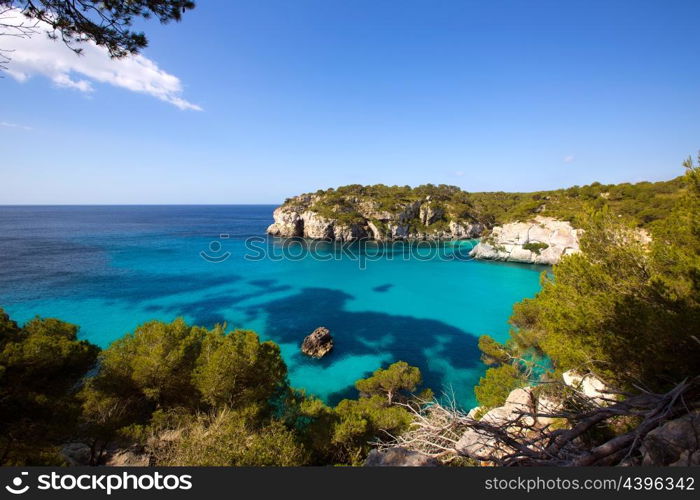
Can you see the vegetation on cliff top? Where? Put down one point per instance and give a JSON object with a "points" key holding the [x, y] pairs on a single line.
{"points": [[642, 203]]}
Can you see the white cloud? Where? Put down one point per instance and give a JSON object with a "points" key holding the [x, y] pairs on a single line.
{"points": [[39, 55], [569, 159], [14, 125], [459, 173]]}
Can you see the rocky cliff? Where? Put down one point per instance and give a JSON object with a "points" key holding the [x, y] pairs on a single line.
{"points": [[544, 240], [429, 212], [350, 218]]}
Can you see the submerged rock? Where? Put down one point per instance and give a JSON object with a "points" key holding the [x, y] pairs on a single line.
{"points": [[318, 343], [542, 241]]}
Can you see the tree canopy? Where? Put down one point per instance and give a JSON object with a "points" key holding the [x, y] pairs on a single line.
{"points": [[107, 23], [183, 395], [41, 364], [625, 309]]}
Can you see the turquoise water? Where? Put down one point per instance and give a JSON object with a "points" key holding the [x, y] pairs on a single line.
{"points": [[109, 269]]}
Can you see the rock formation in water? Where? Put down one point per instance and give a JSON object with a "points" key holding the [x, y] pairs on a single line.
{"points": [[544, 240], [318, 343]]}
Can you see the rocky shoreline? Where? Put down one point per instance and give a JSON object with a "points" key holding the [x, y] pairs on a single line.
{"points": [[543, 240]]}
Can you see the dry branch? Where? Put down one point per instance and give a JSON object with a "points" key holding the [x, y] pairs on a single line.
{"points": [[438, 427]]}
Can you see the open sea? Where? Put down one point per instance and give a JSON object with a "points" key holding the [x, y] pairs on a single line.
{"points": [[110, 268]]}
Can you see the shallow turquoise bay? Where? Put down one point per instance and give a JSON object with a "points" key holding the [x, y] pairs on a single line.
{"points": [[109, 269]]}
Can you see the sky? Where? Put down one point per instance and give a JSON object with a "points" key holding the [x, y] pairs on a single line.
{"points": [[258, 100]]}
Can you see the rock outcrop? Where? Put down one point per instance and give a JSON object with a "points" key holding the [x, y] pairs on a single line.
{"points": [[399, 457], [541, 241], [590, 385], [126, 458], [76, 454], [677, 442], [79, 454], [520, 405], [309, 216], [318, 343]]}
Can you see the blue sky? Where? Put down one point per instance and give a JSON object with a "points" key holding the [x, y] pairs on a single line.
{"points": [[298, 95]]}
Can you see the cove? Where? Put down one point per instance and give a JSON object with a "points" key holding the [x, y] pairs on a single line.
{"points": [[110, 268]]}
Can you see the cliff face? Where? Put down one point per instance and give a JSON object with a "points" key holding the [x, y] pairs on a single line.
{"points": [[353, 218], [542, 241]]}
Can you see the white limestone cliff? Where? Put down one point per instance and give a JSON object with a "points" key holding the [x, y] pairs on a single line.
{"points": [[543, 240]]}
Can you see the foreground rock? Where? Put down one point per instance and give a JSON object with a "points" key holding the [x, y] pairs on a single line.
{"points": [[318, 343], [541, 241], [76, 454], [399, 457], [676, 443], [133, 457], [590, 385], [520, 406], [79, 454]]}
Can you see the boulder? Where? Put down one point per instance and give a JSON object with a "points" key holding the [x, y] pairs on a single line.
{"points": [[124, 457], [318, 343], [479, 445], [472, 413], [399, 457], [547, 406], [588, 384], [76, 454], [677, 442], [518, 401], [288, 223]]}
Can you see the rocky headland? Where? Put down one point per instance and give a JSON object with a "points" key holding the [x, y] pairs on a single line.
{"points": [[433, 213], [351, 218]]}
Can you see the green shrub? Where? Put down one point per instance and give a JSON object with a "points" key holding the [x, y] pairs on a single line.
{"points": [[535, 247]]}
